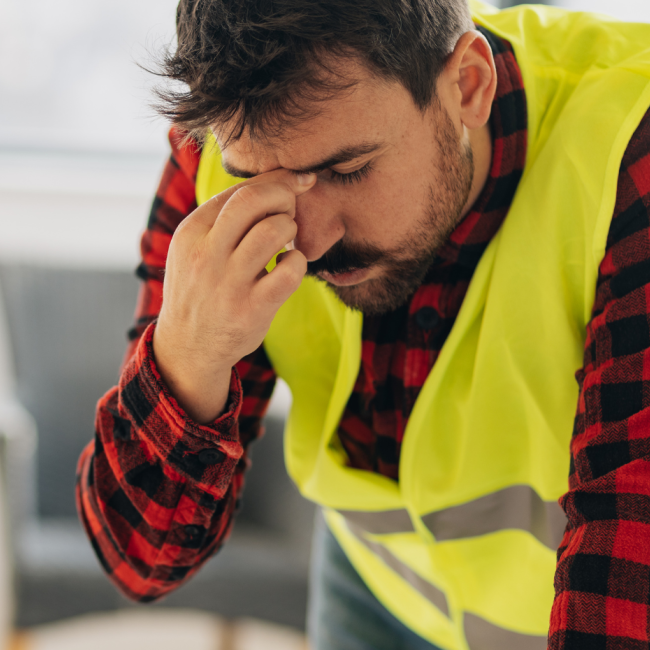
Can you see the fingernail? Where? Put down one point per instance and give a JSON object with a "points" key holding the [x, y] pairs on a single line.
{"points": [[305, 179]]}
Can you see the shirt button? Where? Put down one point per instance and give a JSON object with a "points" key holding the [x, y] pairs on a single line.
{"points": [[193, 532], [427, 318], [211, 456]]}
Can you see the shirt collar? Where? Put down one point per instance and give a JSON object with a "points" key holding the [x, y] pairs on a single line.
{"points": [[509, 129]]}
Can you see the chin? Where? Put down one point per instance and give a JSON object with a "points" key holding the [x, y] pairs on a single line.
{"points": [[373, 297]]}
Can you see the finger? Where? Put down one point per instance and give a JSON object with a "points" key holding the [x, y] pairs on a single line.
{"points": [[276, 287], [207, 214], [247, 207], [261, 243]]}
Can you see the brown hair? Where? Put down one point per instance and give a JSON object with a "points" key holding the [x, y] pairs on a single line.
{"points": [[254, 64]]}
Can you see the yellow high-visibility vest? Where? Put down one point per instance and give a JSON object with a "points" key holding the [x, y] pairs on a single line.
{"points": [[462, 549]]}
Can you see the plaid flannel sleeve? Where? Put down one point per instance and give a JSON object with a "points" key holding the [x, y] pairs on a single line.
{"points": [[602, 581], [156, 492]]}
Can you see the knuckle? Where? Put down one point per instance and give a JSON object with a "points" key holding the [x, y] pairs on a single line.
{"points": [[217, 198], [285, 220], [291, 276], [249, 195], [291, 273], [271, 228], [183, 230]]}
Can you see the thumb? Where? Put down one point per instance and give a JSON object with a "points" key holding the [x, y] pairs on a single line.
{"points": [[302, 182]]}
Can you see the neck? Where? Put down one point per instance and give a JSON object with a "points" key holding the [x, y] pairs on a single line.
{"points": [[481, 142]]}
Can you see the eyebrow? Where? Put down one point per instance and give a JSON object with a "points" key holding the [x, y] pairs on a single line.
{"points": [[343, 155]]}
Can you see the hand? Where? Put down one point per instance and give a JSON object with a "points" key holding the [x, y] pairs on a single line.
{"points": [[218, 299]]}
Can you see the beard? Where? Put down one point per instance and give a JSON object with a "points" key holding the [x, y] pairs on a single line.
{"points": [[405, 266]]}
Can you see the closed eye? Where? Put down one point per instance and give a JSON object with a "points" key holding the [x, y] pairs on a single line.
{"points": [[351, 177]]}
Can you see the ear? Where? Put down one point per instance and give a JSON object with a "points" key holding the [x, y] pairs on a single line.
{"points": [[468, 82]]}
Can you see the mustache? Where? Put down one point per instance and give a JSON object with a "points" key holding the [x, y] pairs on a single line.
{"points": [[346, 257]]}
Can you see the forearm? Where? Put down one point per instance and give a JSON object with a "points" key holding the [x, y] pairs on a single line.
{"points": [[602, 581], [602, 584], [156, 491], [141, 570]]}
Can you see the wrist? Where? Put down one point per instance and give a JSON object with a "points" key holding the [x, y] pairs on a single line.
{"points": [[200, 388]]}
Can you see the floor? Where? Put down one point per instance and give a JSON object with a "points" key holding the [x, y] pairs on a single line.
{"points": [[256, 574], [169, 629]]}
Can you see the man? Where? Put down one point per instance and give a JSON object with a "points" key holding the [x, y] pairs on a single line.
{"points": [[471, 208]]}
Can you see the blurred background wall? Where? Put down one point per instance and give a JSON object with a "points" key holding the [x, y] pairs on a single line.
{"points": [[80, 154]]}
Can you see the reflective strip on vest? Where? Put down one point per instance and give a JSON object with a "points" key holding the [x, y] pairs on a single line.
{"points": [[482, 635], [424, 587], [384, 522], [517, 506]]}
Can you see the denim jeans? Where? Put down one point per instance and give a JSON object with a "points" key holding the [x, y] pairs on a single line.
{"points": [[343, 613]]}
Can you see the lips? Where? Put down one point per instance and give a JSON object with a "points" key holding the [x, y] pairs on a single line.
{"points": [[347, 279]]}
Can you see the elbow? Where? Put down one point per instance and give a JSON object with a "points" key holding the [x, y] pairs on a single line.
{"points": [[139, 588]]}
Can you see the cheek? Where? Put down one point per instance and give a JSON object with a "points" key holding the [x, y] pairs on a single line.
{"points": [[387, 208]]}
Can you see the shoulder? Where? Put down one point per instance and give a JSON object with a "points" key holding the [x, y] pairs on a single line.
{"points": [[632, 209], [186, 152]]}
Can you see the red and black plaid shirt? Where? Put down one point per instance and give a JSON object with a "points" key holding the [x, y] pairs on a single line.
{"points": [[157, 491]]}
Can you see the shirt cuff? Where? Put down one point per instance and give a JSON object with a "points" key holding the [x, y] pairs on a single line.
{"points": [[205, 453]]}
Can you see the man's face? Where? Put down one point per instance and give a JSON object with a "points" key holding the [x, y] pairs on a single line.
{"points": [[392, 184]]}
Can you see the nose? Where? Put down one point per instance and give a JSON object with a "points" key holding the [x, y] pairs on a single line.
{"points": [[320, 223]]}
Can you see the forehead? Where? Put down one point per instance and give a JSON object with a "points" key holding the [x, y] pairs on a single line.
{"points": [[373, 110]]}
